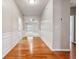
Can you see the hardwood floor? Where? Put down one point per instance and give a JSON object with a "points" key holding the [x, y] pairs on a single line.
{"points": [[40, 51]]}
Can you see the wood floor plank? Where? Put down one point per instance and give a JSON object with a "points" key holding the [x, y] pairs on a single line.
{"points": [[40, 51]]}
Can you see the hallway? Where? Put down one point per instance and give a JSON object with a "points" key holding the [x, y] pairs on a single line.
{"points": [[37, 29], [40, 51]]}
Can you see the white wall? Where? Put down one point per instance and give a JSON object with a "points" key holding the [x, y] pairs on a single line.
{"points": [[35, 25], [61, 31], [11, 33], [65, 42], [47, 24], [57, 24]]}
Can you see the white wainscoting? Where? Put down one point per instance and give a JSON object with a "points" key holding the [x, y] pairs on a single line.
{"points": [[47, 38], [9, 40], [34, 34]]}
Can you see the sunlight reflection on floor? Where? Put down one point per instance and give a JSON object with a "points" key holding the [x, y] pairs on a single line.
{"points": [[30, 40]]}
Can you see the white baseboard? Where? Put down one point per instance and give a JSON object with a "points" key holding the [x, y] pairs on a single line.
{"points": [[61, 50], [47, 44], [16, 37], [14, 44]]}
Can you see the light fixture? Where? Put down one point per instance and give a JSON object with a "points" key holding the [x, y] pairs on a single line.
{"points": [[32, 1]]}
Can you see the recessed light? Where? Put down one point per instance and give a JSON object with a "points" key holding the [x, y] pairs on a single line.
{"points": [[31, 1]]}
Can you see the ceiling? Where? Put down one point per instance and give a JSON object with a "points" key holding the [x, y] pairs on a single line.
{"points": [[29, 9], [34, 10]]}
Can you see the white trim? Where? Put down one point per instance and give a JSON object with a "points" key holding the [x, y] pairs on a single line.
{"points": [[47, 44], [15, 36], [31, 34], [61, 50], [10, 48], [54, 49]]}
